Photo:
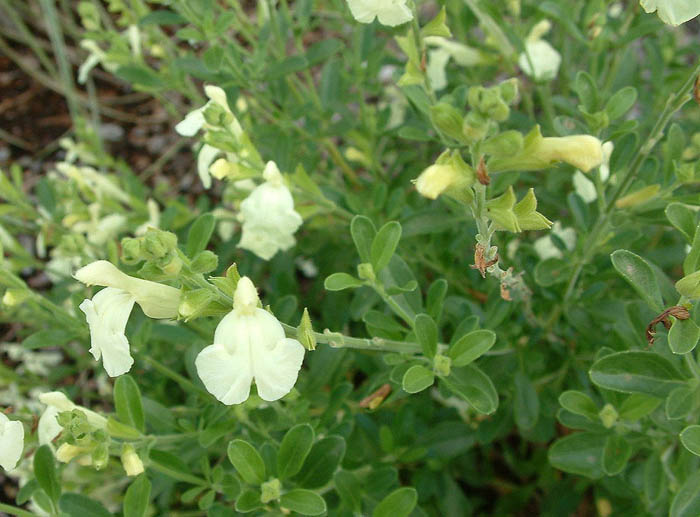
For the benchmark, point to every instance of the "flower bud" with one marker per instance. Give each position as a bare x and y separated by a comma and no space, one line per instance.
608,416
475,127
66,452
133,466
442,365
131,250
448,120
100,455
170,265
582,151
305,332
15,296
365,271
270,491
158,243
509,90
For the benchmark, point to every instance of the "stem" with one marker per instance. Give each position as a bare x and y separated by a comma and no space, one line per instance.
674,103
13,510
182,381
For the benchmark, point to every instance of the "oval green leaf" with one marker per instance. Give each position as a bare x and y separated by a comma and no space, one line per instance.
294,449
474,386
304,502
399,503
636,372
247,461
417,378
471,346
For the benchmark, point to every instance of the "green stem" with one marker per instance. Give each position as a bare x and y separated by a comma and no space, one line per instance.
13,510
674,103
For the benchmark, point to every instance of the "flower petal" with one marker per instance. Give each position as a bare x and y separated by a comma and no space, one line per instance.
49,427
276,370
226,375
394,13
11,442
363,10
205,158
107,314
192,123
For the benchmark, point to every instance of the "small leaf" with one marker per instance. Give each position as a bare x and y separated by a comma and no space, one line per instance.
683,336
637,406
127,402
363,233
248,501
427,334
526,403
690,438
247,461
199,234
304,502
384,245
639,274
621,102
137,496
417,378
340,281
474,386
322,462
45,472
294,449
636,372
679,403
615,454
683,218
579,453
471,346
349,489
579,403
76,505
687,500
399,503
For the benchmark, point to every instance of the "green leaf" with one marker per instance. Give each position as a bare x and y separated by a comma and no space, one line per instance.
579,453
139,75
474,386
587,91
172,466
47,338
294,449
552,271
679,403
621,102
399,503
384,245
304,502
127,402
636,372
76,505
687,500
638,406
526,403
683,218
417,378
427,334
471,346
247,461
322,462
137,496
579,403
349,489
161,17
199,234
435,298
690,438
616,453
363,233
437,26
248,501
683,336
340,281
45,472
640,276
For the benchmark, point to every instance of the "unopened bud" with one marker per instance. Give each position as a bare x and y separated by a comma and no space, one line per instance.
639,197
131,250
442,365
204,262
448,120
365,271
608,416
133,466
100,456
66,452
158,243
270,491
15,296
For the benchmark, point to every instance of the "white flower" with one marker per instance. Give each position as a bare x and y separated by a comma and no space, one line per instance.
58,401
673,12
108,311
11,442
604,170
268,217
49,428
545,247
107,314
584,187
389,12
540,60
157,301
445,50
194,120
249,344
